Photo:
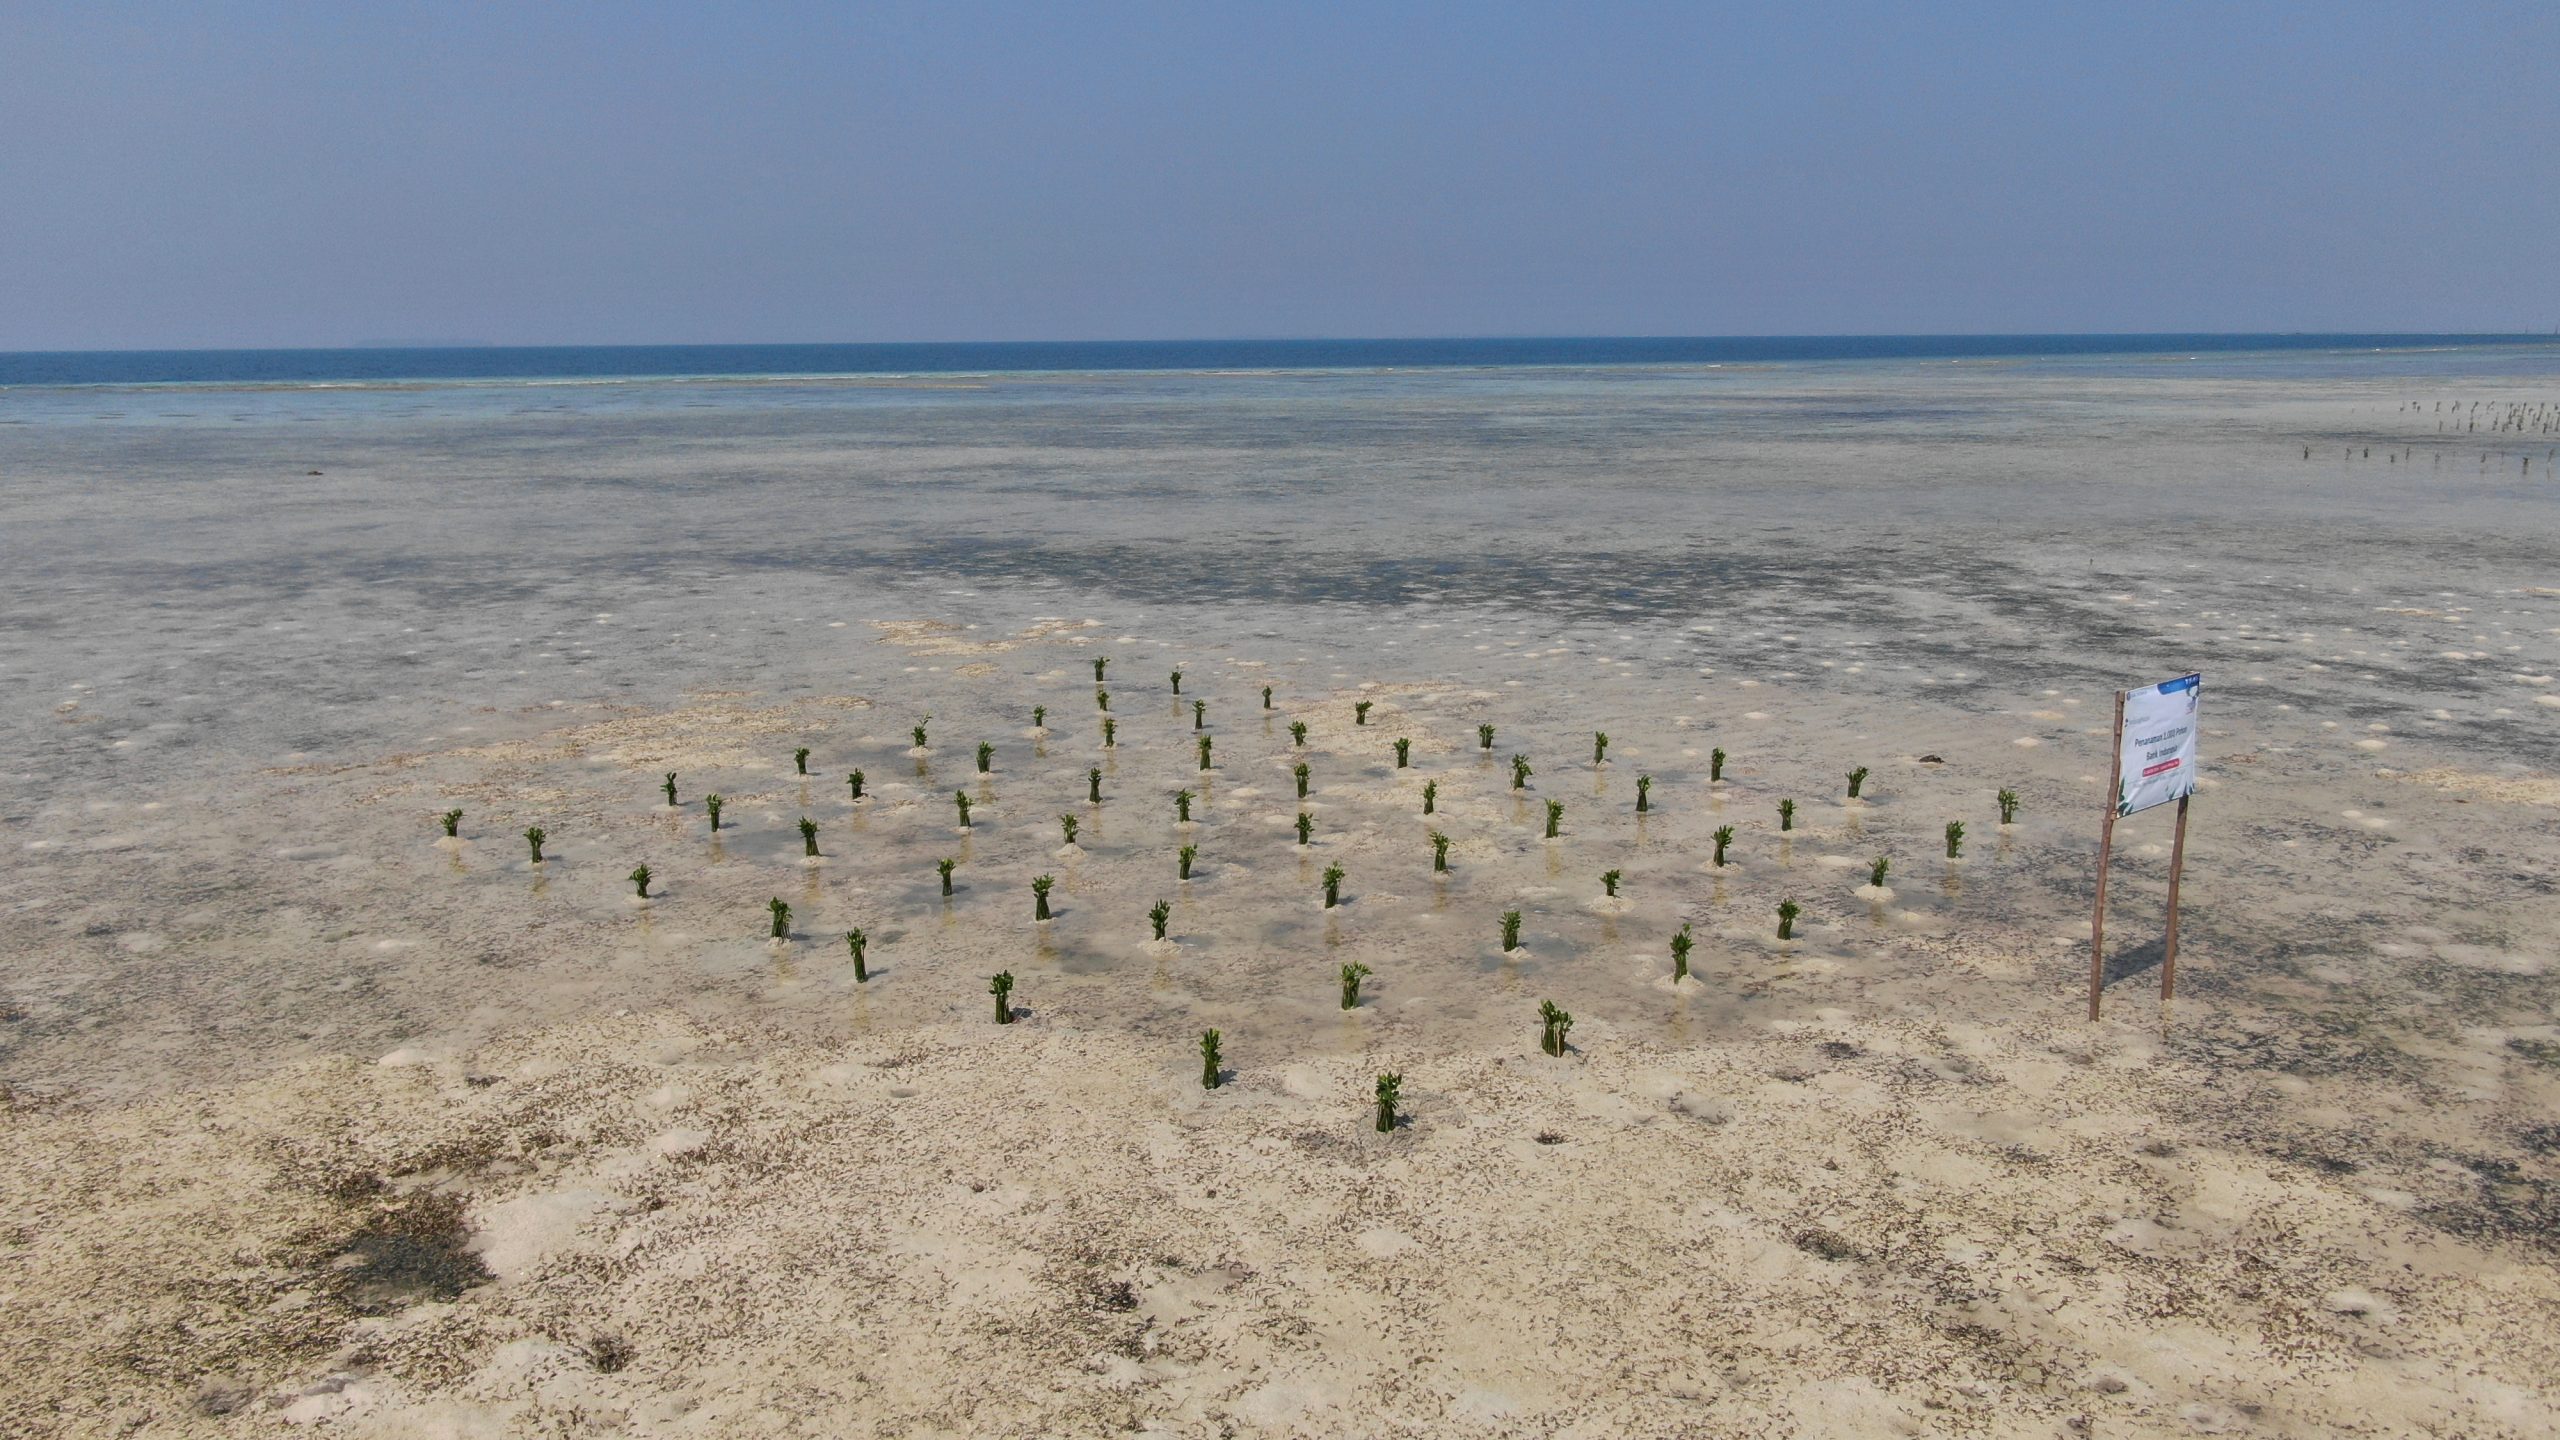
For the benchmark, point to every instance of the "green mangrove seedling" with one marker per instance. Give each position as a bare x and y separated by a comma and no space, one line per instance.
781,909
1162,912
1040,895
1209,1076
1403,749
1555,817
1876,872
1644,793
1266,697
1723,838
1110,733
1204,751
1352,974
854,941
1360,712
1609,882
1439,853
670,787
1955,838
1298,732
1510,931
800,759
1199,714
1786,815
1390,1089
1102,701
711,803
961,799
1039,717
1067,823
1306,827
986,757
1430,796
1554,1023
640,878
855,780
1715,764
1186,855
1680,944
1182,806
1300,771
1857,778
946,865
917,730
2008,807
1333,885
1484,737
1599,746
1093,785
808,836
1177,682
1788,910
533,837
1099,661
1001,987
452,824
1520,772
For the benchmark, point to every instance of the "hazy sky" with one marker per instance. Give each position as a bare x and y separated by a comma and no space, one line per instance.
292,174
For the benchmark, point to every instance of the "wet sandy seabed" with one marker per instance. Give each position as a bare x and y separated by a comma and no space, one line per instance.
316,1119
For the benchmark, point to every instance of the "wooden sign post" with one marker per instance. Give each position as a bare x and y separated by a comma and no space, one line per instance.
2164,770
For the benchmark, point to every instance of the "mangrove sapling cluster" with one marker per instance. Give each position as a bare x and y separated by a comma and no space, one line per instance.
1430,796
1715,764
1102,701
1877,872
1162,912
1599,746
1644,793
917,730
855,780
452,824
1182,806
1723,838
986,757
1955,839
1185,856
946,865
1404,750
808,837
1298,733
1209,1077
1067,823
1177,682
1266,697
1390,1089
1553,1023
1439,853
1520,772
1110,733
1099,663
1786,815
1093,785
1484,738
1199,714
711,806
1857,778
1510,931
961,799
1352,974
1300,771
1609,882
1306,827
670,788
1555,817
781,909
1680,944
800,759
640,878
854,941
1360,712
1040,895
1788,910
1039,717
2008,807
1333,885
1001,987
533,836
1205,742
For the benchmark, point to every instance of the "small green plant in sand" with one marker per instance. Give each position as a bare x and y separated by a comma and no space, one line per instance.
1715,764
986,757
1484,737
1185,856
917,730
1099,662
1001,987
1177,682
946,865
1333,885
452,824
1352,974
1644,793
1680,944
1306,828
781,909
711,804
854,941
1266,697
1786,815
640,878
1067,823
1430,796
1162,912
1209,1057
1110,733
2008,807
1555,817
1877,872
1404,753
808,836
961,799
800,759
533,836
1093,785
1788,910
1199,714
1857,779
1609,882
1205,743
1182,806
1360,712
1723,838
1039,717
1300,771
1510,931
670,787
1553,1023
1102,701
855,780
1439,853
1298,733
1390,1090
1599,746
1955,839
1040,895
1520,772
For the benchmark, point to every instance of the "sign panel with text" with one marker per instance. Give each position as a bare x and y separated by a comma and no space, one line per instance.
2157,763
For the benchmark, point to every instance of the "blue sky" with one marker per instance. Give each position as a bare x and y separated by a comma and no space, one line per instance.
285,174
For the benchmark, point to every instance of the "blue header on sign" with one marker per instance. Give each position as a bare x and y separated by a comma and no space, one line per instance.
2172,687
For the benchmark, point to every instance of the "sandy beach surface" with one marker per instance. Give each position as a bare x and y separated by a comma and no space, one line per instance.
318,1122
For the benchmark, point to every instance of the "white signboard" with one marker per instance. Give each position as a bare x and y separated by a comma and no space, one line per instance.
2157,761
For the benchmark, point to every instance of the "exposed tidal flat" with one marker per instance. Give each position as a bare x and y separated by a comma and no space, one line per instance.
316,1118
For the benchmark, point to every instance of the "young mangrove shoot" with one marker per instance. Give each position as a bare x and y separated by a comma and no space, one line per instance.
640,878
1510,931
1955,838
533,837
1266,697
917,730
1306,827
961,799
1520,772
1298,732
1599,746
1360,712
452,824
986,757
808,836
781,909
1157,916
1788,910
1680,944
1876,872
1186,855
855,780
1093,785
1609,882
1555,817
1039,717
1352,974
670,787
1430,796
1177,682
1484,737
1067,823
711,803
1099,661
854,941
1554,1023
1102,701
1786,815
1723,838
800,759
1199,714
1644,793
1333,885
1390,1089
1110,733
1209,1076
1001,987
1040,895
2008,807
1857,778
1204,751
1182,806
1403,749
1300,771
1439,853
946,865
1715,764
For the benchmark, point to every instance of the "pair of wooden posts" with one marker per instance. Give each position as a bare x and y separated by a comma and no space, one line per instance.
2116,806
